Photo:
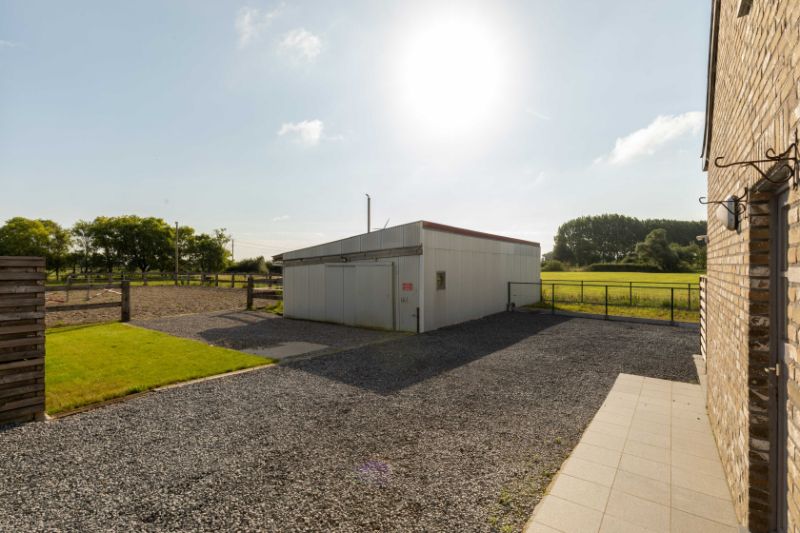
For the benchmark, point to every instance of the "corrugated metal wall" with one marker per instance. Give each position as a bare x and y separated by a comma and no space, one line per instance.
477,270
312,292
348,293
477,273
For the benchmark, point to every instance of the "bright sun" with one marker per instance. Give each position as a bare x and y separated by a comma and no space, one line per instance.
452,77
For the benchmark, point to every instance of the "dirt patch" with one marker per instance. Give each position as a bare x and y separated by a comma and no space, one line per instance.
146,302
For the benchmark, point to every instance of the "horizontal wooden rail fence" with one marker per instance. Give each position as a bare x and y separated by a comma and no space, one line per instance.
212,279
124,302
267,294
21,339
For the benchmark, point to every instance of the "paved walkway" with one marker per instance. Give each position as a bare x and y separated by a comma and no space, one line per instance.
647,462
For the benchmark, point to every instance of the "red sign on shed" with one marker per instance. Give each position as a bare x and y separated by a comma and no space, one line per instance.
408,287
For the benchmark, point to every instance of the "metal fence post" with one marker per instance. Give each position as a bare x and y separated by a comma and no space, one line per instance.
689,296
672,305
553,298
581,291
126,300
606,286
250,286
630,293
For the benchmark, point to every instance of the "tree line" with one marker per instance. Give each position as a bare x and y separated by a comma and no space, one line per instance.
670,245
106,244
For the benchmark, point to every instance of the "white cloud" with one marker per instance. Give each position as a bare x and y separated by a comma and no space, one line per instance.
648,140
301,44
251,22
8,44
308,132
280,218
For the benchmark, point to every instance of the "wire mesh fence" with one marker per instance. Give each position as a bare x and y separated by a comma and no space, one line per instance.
675,302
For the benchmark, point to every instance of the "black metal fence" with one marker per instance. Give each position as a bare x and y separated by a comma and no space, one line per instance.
675,302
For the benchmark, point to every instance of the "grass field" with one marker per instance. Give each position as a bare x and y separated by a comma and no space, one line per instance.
89,364
639,294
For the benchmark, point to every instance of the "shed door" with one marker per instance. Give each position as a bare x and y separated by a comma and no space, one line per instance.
360,294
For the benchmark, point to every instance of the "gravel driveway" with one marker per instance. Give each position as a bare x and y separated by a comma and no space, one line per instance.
267,334
454,430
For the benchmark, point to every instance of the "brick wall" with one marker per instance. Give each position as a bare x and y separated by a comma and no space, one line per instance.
755,107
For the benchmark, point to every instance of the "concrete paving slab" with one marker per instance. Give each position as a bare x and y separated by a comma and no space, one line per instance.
658,470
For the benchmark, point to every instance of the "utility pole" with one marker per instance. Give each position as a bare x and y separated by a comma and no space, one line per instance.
176,253
369,213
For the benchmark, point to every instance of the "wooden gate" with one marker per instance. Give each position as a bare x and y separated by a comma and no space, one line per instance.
21,339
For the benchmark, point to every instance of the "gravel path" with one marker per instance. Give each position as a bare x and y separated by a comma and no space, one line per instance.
454,430
243,330
147,302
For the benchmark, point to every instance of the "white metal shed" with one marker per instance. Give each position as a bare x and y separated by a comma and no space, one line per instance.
414,277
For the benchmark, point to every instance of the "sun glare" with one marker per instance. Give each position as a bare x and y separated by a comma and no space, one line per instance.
452,77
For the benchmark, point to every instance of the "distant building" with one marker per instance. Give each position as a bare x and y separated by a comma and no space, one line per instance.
752,315
415,277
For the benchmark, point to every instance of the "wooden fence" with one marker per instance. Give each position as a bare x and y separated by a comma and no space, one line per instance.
252,293
218,279
124,302
21,339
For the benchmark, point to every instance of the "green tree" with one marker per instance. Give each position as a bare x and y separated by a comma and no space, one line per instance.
656,250
255,265
23,236
611,237
59,242
209,253
82,238
104,235
144,243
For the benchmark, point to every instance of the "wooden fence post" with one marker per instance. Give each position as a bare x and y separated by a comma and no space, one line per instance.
126,301
233,278
250,286
216,279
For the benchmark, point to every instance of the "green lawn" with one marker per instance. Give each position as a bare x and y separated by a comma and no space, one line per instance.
639,294
89,364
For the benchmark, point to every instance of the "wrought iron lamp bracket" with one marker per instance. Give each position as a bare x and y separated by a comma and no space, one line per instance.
736,206
790,156
739,204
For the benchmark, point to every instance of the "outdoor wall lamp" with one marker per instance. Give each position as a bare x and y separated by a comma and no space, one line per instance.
729,211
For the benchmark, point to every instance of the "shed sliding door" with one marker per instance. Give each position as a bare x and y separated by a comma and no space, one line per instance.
360,294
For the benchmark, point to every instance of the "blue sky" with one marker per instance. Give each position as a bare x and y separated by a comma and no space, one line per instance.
272,119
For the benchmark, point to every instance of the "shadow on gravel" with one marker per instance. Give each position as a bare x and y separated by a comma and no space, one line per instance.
392,366
253,329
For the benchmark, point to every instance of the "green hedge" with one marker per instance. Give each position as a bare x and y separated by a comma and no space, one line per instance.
553,265
621,267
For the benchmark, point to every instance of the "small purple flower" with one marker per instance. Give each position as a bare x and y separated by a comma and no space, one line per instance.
375,472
